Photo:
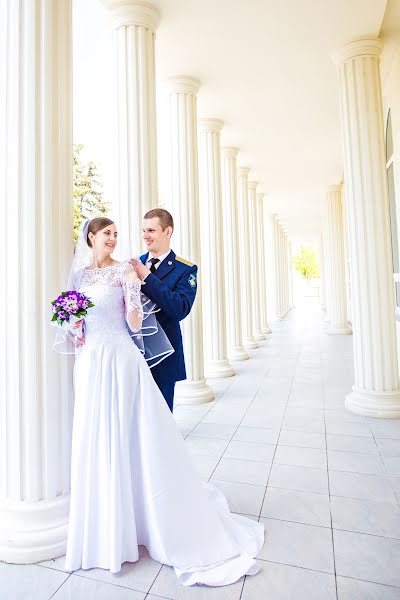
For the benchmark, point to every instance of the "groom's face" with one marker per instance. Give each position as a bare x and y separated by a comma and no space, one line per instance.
156,238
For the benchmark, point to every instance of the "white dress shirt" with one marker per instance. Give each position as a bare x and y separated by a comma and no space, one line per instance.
160,258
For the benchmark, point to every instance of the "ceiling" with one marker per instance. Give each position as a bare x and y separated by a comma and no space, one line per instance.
266,71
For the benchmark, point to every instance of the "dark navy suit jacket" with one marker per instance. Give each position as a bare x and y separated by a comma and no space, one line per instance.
173,288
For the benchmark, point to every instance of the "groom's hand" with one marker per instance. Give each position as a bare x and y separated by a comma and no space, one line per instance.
141,269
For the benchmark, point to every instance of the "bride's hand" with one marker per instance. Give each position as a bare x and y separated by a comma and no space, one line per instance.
77,324
79,341
141,269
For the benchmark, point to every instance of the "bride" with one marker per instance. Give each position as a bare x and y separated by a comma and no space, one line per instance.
132,480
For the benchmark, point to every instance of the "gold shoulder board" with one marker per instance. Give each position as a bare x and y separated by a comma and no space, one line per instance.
182,260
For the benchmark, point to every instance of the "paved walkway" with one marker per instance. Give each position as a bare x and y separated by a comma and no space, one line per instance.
283,449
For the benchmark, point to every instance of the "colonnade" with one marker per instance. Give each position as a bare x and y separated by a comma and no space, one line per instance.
245,277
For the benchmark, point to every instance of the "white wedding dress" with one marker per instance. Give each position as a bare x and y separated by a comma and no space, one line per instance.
132,480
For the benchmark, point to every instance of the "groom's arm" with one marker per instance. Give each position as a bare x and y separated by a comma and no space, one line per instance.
175,303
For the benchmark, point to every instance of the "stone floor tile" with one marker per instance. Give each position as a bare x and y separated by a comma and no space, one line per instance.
206,446
366,516
256,434
242,471
367,557
388,447
298,545
302,457
354,589
364,486
301,507
345,428
28,582
302,439
250,451
351,443
82,588
214,430
283,582
356,462
242,498
299,478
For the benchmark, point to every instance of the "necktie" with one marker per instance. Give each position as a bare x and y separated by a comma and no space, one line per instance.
153,261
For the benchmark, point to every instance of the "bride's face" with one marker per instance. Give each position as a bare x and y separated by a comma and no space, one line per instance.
105,240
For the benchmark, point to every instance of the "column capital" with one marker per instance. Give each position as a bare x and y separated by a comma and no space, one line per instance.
183,84
133,12
214,125
229,152
243,171
363,46
260,196
252,185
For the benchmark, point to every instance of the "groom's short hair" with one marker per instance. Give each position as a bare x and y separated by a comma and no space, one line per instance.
165,217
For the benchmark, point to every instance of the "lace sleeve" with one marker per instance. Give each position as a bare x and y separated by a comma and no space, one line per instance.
133,304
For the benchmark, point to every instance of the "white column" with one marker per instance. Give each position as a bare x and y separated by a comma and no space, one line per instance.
290,268
212,250
254,270
185,208
334,252
274,266
232,254
134,25
376,389
36,250
245,260
285,271
322,293
279,276
262,245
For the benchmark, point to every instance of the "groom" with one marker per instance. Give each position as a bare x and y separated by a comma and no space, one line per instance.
170,282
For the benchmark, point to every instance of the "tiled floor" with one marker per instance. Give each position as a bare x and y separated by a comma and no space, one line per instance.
280,445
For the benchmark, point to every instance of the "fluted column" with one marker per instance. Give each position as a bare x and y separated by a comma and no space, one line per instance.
185,207
290,269
212,250
254,271
285,271
334,251
246,259
322,293
232,254
134,25
36,250
376,389
262,245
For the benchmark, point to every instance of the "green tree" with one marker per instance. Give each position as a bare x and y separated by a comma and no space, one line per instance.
306,262
88,191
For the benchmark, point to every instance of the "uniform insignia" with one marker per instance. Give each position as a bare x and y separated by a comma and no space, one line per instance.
192,280
182,260
170,262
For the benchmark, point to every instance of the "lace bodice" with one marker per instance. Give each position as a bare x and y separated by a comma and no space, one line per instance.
115,300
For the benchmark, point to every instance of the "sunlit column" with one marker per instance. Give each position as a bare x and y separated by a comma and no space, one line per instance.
254,271
232,255
212,250
322,292
262,249
185,205
376,389
335,267
246,259
290,268
135,24
36,250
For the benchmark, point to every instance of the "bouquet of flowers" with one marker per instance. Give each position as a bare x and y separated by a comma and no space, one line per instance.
69,308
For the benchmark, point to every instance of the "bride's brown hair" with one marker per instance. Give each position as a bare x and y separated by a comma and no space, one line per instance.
95,225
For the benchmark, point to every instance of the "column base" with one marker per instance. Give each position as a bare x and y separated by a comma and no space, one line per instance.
382,405
33,531
238,353
344,329
250,343
260,337
266,330
218,368
193,392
